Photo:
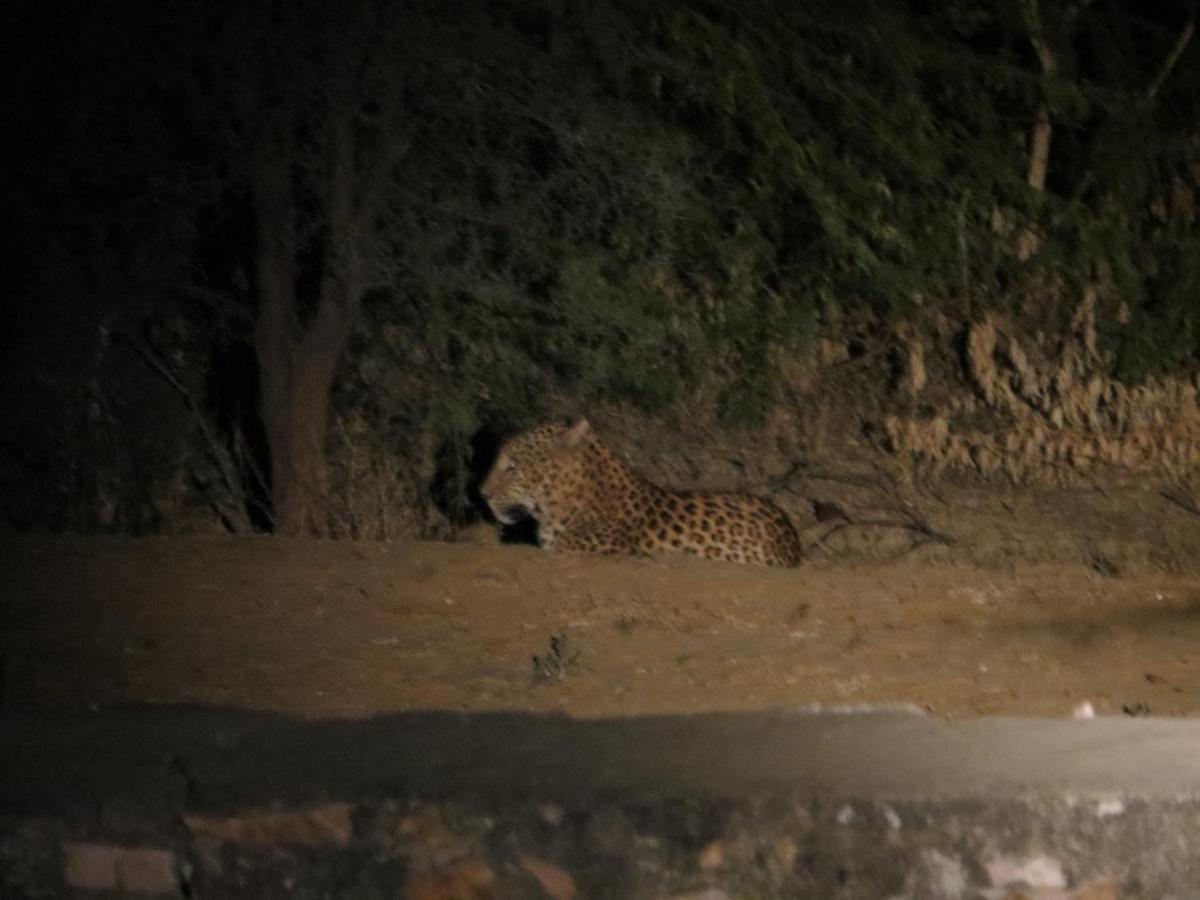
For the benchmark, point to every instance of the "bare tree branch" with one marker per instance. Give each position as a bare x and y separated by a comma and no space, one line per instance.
237,495
217,300
1037,36
1039,150
1185,37
1075,9
918,526
897,512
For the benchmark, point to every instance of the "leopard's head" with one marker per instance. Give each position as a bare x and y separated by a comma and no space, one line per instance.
534,471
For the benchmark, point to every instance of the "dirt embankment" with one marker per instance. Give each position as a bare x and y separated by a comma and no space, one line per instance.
354,629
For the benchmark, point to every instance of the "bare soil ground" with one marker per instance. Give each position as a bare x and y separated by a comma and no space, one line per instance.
1043,603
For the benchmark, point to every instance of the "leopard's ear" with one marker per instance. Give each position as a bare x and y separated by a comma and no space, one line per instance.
577,432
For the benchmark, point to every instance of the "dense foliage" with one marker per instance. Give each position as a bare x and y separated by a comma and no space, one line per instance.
595,202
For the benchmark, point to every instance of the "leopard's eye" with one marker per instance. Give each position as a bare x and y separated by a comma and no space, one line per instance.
508,465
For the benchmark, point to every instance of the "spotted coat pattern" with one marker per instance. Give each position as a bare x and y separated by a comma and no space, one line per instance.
585,498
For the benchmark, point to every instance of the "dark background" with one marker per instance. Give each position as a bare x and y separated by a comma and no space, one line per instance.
298,266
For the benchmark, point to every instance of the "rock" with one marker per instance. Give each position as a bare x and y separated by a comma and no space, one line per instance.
783,856
551,814
1097,890
428,842
712,856
555,881
1035,871
938,875
725,852
894,822
470,879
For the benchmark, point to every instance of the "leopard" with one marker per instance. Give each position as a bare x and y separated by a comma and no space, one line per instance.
585,498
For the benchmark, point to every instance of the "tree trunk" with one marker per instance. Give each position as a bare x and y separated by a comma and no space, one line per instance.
297,358
1039,150
1035,176
296,374
1039,146
296,433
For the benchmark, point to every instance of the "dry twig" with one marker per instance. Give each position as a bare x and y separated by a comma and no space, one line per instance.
235,513
1181,496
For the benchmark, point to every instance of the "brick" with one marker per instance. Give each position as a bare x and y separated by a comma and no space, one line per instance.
322,826
147,870
90,867
106,867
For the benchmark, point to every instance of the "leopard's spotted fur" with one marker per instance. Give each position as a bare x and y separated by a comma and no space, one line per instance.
585,498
